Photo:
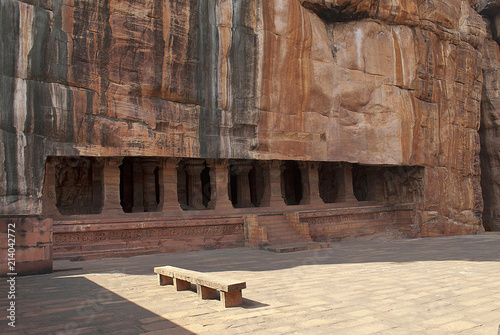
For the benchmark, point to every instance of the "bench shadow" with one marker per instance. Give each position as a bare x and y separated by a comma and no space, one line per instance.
246,303
252,304
75,305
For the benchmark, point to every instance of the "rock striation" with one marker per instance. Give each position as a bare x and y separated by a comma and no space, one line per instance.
373,82
490,117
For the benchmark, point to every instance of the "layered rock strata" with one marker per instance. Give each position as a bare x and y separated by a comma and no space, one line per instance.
373,82
490,118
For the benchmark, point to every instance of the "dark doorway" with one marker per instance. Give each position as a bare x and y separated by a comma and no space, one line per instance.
233,188
255,195
291,181
140,189
157,185
246,184
205,185
327,182
127,185
360,182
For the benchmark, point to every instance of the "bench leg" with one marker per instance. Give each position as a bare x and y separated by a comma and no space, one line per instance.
206,292
231,299
165,280
181,285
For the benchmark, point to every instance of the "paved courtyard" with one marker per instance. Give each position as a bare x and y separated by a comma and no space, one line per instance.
424,286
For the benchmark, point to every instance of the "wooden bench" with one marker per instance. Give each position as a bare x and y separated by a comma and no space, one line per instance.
207,285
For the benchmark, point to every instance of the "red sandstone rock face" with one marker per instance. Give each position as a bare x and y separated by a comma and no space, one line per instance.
368,81
490,110
378,83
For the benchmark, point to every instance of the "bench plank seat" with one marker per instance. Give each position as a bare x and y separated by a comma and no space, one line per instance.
206,284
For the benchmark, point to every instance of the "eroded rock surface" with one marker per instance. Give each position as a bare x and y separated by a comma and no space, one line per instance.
490,124
364,81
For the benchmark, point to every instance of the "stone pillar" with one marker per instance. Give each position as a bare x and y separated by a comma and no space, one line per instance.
170,198
276,201
222,202
344,183
314,196
194,187
244,198
138,187
127,185
306,187
149,184
49,190
111,187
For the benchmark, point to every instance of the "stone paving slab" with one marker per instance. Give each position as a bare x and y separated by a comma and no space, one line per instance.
423,286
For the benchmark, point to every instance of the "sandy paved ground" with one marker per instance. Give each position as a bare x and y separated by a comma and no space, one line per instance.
424,286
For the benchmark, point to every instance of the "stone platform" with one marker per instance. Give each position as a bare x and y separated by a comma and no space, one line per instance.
140,234
421,286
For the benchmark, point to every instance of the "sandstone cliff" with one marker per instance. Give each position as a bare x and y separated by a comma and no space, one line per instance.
490,118
365,81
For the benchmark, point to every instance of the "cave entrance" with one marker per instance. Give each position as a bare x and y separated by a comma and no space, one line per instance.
246,184
360,184
327,182
194,188
291,183
140,185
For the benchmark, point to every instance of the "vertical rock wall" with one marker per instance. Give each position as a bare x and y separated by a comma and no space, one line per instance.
379,82
364,81
139,78
490,119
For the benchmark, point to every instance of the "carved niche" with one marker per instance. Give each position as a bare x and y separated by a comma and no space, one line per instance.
78,185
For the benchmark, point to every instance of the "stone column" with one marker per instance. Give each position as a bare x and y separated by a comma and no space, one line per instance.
49,190
170,199
306,183
314,196
242,184
111,187
276,200
194,187
138,187
344,183
222,202
149,184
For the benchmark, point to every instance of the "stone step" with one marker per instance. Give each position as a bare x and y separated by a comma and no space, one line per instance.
286,242
281,231
290,236
298,247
